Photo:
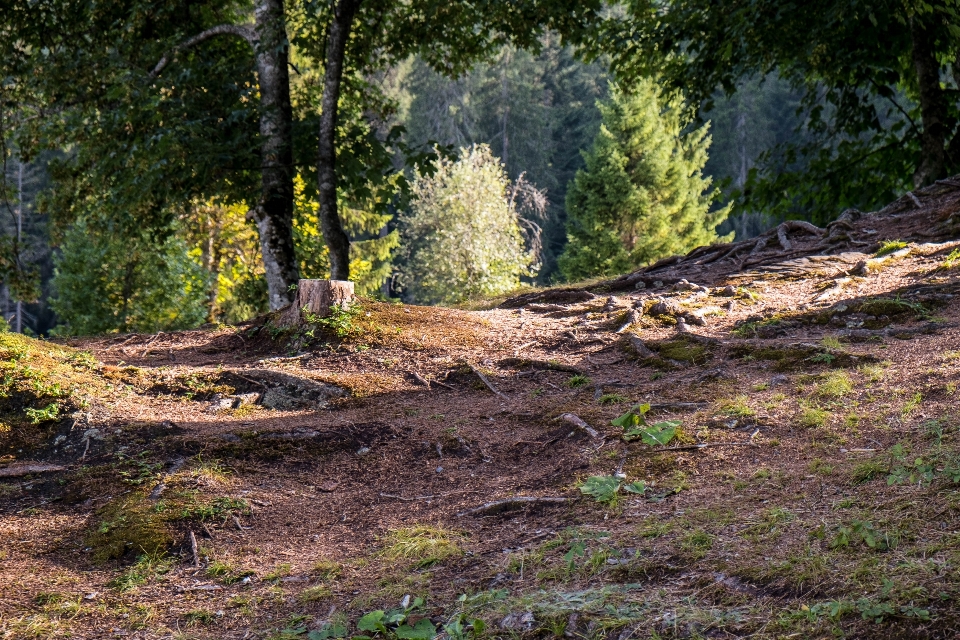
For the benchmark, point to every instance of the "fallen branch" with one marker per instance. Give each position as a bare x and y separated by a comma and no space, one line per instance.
499,506
577,422
420,379
703,445
485,381
193,549
914,199
387,495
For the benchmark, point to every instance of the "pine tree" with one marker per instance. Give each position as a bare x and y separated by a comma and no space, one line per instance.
642,194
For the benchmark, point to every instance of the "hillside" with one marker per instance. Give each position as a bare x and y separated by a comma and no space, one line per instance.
796,474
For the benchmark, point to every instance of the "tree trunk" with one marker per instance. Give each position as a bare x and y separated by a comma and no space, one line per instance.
330,225
933,107
274,213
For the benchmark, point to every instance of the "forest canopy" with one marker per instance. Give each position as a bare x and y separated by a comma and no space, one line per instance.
248,144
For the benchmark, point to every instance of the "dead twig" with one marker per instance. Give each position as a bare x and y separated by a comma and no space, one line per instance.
577,422
485,381
193,549
703,445
420,379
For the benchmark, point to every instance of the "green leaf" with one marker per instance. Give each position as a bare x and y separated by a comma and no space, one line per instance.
422,630
371,622
635,487
602,488
633,417
660,433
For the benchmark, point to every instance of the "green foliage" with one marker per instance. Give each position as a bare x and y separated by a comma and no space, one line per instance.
50,412
371,254
340,322
863,531
462,237
536,110
578,380
889,246
602,488
857,141
642,195
396,623
634,425
106,284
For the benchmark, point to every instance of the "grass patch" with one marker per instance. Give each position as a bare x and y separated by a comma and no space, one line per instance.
578,381
682,350
834,384
813,418
737,407
314,594
146,568
426,544
889,246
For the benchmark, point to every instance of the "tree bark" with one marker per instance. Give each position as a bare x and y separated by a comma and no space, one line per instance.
318,297
333,233
274,213
933,107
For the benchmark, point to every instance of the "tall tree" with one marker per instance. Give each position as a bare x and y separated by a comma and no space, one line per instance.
364,35
642,195
873,73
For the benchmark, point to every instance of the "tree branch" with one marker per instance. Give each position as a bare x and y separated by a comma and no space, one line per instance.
247,33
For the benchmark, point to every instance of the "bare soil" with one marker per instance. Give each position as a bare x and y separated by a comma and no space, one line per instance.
824,501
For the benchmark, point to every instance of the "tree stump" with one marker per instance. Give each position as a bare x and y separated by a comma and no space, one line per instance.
318,297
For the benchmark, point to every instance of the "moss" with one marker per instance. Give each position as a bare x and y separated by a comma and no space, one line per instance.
891,307
40,382
125,527
682,350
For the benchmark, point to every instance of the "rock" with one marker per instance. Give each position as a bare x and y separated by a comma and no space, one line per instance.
633,317
664,308
728,291
245,399
220,403
287,392
640,285
518,621
544,308
642,349
695,319
779,379
859,269
682,326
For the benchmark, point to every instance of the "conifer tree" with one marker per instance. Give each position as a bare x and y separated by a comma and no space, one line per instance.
642,194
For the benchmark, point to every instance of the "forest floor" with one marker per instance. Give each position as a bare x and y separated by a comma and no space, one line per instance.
254,482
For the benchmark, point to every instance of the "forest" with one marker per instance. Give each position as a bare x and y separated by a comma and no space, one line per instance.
160,173
479,319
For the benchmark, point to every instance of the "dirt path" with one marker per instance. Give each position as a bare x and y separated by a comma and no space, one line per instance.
323,478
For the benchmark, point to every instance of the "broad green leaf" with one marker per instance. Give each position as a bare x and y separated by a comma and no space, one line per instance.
422,630
632,418
371,622
635,487
602,488
660,433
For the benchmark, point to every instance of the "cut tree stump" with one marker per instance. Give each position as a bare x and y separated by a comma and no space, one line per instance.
318,297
